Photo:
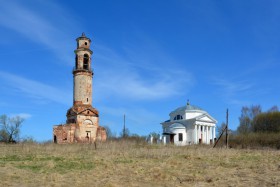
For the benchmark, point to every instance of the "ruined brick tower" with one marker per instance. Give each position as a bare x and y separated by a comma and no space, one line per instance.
82,123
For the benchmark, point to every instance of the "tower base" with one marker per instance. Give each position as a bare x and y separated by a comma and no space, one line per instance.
71,133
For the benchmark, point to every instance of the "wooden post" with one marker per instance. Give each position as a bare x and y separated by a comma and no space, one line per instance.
227,131
219,137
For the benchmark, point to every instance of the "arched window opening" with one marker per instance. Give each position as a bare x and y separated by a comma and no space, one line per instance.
178,117
76,60
85,43
54,139
86,60
180,137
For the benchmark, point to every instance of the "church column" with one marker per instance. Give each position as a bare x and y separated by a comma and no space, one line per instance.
208,131
203,134
207,134
213,131
211,134
199,133
195,134
164,139
214,134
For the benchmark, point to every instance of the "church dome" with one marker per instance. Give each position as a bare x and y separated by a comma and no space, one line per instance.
187,107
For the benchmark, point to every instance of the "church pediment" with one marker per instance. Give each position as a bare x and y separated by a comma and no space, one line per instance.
206,118
90,112
82,110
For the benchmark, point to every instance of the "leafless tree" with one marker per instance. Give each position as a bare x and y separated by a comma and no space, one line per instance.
247,116
273,109
10,128
220,128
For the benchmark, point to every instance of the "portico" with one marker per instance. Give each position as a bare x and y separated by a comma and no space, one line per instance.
189,125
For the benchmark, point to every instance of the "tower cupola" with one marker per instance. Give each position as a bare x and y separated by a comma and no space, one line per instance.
83,54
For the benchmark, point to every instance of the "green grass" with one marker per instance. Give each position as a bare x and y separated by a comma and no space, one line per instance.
44,163
136,164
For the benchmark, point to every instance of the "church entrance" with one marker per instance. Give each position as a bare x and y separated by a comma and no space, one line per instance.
172,138
88,137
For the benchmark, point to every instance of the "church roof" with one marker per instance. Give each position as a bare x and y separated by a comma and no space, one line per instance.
187,107
83,37
177,126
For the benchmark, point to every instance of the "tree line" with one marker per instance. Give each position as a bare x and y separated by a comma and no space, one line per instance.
253,120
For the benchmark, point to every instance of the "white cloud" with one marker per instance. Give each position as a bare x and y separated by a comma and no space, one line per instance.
22,115
35,89
39,26
235,92
131,76
234,87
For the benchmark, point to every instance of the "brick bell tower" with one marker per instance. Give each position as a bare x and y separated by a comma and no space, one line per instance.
82,113
82,124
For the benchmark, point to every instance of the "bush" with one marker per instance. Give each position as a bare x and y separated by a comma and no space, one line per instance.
255,140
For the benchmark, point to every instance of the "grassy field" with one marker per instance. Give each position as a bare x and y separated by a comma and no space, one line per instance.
136,164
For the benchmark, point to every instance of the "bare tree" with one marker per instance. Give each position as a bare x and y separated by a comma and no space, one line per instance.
10,128
273,109
247,117
220,128
125,133
108,131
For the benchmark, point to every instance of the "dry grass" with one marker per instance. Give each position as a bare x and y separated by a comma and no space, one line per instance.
136,164
256,140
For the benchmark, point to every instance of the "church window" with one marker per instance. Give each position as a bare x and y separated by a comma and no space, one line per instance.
87,112
178,117
86,60
85,43
76,59
180,137
54,139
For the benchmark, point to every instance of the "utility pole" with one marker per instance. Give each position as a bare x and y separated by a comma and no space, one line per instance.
227,131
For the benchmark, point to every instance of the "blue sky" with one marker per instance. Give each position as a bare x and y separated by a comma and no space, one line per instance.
150,57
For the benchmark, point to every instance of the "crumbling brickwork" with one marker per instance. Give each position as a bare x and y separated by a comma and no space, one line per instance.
64,133
82,124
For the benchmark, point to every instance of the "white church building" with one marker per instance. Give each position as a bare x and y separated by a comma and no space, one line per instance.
189,125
